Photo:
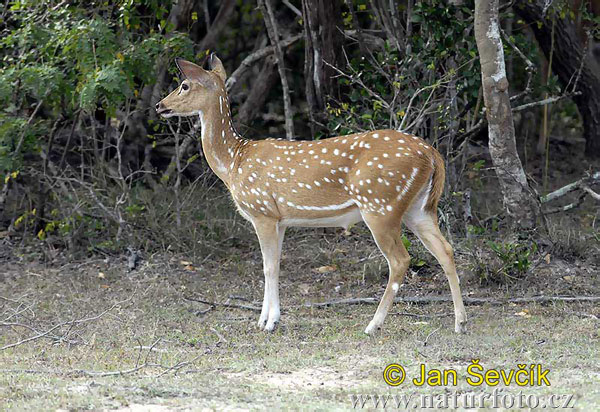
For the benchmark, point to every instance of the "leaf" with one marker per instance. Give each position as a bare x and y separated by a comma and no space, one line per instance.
327,269
524,313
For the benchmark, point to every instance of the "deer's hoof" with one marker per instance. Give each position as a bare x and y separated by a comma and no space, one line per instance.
373,328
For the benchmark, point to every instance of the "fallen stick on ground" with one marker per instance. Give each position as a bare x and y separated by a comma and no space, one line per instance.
48,333
467,300
225,305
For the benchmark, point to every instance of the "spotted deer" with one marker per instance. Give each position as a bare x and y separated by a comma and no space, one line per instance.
382,177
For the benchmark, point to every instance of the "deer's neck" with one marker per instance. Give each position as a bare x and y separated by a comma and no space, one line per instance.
220,141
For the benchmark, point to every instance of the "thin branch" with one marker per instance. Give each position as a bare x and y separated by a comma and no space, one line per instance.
579,184
273,31
544,102
568,207
59,325
530,69
482,123
292,8
591,193
24,131
254,57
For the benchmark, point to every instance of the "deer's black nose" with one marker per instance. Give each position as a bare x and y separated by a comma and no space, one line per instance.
158,106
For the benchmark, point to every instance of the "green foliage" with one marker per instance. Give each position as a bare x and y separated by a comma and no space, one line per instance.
381,88
515,257
72,58
416,260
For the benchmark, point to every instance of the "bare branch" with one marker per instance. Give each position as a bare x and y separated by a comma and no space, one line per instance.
254,57
273,31
59,325
225,305
579,184
543,102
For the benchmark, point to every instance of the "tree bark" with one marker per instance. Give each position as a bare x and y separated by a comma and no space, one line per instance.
570,54
323,41
259,92
503,149
220,22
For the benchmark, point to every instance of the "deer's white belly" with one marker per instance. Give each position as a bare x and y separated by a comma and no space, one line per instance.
342,220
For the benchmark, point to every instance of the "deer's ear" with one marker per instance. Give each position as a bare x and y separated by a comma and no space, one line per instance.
190,70
216,66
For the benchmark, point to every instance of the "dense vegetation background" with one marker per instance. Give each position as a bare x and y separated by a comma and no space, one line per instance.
86,166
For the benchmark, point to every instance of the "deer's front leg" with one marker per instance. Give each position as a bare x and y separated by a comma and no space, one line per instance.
270,235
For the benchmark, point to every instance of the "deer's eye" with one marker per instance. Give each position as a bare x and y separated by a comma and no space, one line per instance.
184,86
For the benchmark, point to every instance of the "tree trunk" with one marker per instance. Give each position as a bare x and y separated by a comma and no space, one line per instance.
323,41
258,94
220,22
569,50
503,149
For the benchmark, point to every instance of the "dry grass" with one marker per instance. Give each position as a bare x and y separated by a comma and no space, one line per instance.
193,356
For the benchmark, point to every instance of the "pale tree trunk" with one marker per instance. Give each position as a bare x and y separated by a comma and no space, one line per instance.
502,145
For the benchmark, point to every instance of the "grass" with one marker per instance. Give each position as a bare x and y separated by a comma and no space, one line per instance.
193,356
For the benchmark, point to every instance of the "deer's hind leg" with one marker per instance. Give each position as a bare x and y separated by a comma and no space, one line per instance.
425,226
386,230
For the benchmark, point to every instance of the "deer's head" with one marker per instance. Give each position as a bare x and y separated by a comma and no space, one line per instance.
197,92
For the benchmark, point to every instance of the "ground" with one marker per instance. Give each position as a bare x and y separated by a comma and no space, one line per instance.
140,340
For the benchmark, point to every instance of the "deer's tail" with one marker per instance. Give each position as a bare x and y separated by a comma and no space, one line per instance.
438,178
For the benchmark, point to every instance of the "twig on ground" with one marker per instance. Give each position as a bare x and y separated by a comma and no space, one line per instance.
83,372
177,367
225,305
421,315
466,300
221,338
430,335
71,323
